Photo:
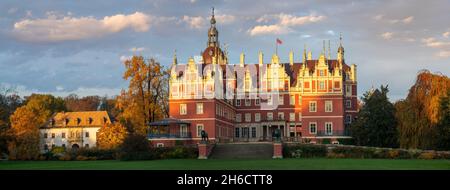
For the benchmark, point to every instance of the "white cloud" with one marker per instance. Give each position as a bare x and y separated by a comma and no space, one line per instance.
330,32
446,34
378,17
137,49
443,54
56,28
59,88
225,19
432,42
306,36
124,58
283,24
406,20
269,29
194,22
387,35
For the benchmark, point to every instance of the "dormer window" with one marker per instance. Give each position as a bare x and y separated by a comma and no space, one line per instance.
78,121
67,121
52,122
90,120
105,120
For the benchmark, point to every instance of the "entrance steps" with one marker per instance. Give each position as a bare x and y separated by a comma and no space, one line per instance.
249,150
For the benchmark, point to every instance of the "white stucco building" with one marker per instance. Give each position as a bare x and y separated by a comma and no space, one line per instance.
72,129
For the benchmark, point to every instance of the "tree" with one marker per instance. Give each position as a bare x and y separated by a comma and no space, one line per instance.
418,115
443,127
146,98
9,101
111,136
88,103
376,124
25,123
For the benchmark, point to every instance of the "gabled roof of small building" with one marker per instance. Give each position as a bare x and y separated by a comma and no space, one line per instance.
79,119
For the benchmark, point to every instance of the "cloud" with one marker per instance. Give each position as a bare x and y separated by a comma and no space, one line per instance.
446,34
378,17
137,49
406,20
306,36
284,23
432,42
443,54
387,35
56,28
225,19
269,29
124,58
197,22
330,32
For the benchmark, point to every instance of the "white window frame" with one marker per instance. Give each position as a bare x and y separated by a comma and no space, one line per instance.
257,101
248,117
183,109
248,102
348,104
280,116
238,117
238,102
310,127
321,85
199,108
348,119
330,103
292,116
315,106
328,124
257,117
184,130
269,116
281,99
199,128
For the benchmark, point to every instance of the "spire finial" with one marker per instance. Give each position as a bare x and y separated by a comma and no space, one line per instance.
329,55
324,48
213,20
340,38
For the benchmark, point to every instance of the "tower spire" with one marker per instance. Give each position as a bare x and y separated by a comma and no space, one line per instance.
213,34
175,61
340,54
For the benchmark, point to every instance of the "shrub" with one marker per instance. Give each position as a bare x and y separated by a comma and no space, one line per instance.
393,154
427,155
304,151
65,157
81,158
58,150
349,141
326,141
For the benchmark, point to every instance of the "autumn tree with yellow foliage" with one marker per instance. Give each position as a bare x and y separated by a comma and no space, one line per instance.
419,114
145,100
25,123
111,136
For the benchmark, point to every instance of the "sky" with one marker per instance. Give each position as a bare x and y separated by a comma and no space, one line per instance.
62,47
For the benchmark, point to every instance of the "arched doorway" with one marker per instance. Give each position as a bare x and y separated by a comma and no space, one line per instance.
75,146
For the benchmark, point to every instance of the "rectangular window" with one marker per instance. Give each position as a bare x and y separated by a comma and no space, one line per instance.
291,116
328,128
348,119
248,117
312,128
86,146
306,84
348,90
53,135
238,117
312,106
257,117
183,109
253,132
236,132
300,116
238,102
87,134
348,103
328,106
257,101
281,100
321,73
45,135
270,116
269,100
247,102
281,116
63,135
322,85
200,128
245,132
184,130
337,84
292,99
199,108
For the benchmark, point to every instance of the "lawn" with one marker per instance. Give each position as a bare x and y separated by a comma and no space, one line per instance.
268,164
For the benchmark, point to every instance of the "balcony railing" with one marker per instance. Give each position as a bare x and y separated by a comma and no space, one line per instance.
166,135
333,133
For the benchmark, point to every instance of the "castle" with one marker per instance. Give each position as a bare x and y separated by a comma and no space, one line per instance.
313,100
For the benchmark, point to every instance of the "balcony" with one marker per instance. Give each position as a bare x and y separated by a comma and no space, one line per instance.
333,133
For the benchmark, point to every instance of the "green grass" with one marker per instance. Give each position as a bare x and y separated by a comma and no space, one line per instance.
193,164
